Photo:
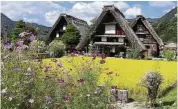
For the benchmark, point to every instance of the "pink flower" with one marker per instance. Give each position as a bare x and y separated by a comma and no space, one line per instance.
113,87
68,99
8,46
19,43
47,68
59,64
73,53
103,56
80,81
60,81
31,38
16,68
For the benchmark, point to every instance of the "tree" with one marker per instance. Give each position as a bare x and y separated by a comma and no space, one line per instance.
71,36
20,27
93,20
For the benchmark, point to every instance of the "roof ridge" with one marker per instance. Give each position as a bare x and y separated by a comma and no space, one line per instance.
67,15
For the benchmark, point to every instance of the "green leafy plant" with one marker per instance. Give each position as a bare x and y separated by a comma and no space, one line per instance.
56,48
134,54
169,54
71,36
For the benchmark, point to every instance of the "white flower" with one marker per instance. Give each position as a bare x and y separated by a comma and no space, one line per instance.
10,98
29,70
3,91
31,100
88,95
160,102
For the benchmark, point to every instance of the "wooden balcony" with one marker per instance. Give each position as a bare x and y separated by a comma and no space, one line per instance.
142,32
108,43
110,35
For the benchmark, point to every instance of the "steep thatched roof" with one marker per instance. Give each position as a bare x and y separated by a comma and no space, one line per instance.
149,27
80,24
120,19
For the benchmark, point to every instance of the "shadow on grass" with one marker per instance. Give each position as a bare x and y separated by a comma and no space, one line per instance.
130,100
166,103
167,90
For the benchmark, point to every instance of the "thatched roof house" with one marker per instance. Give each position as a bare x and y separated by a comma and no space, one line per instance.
148,27
147,35
119,19
112,34
59,27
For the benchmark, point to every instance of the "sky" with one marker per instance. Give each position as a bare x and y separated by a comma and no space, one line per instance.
47,12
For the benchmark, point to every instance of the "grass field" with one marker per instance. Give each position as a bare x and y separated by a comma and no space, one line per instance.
127,72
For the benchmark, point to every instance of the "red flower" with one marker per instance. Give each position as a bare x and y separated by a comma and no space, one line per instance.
103,56
68,99
80,81
113,87
109,73
60,81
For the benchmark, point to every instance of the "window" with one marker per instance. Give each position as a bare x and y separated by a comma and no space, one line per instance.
103,39
64,27
121,39
110,29
112,49
57,35
141,39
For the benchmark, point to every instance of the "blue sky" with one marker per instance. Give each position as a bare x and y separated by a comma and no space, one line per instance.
47,12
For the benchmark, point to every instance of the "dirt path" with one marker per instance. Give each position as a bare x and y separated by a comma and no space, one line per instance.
132,105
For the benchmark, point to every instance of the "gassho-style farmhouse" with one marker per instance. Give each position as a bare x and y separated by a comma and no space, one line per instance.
112,34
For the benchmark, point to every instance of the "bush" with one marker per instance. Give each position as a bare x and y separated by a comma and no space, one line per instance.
39,45
152,82
56,49
169,54
134,54
148,58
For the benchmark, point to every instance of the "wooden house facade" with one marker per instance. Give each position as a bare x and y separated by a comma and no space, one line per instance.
147,36
60,25
113,35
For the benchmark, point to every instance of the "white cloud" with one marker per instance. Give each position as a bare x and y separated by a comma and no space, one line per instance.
169,9
83,10
47,12
31,20
51,16
16,10
87,11
161,3
132,12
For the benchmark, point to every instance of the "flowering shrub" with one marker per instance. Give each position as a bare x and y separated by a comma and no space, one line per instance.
27,84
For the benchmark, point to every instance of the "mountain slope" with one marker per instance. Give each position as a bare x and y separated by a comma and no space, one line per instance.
166,26
43,30
6,21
